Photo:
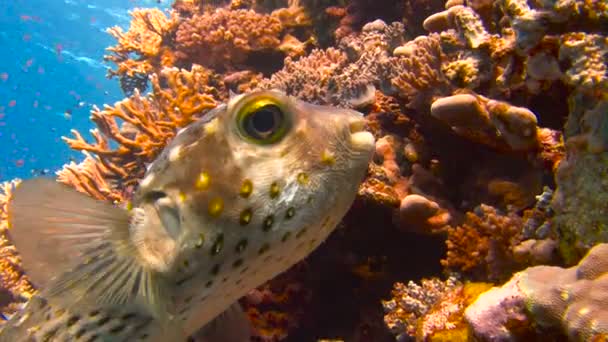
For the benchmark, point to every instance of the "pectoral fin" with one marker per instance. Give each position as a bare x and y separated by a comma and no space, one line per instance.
78,250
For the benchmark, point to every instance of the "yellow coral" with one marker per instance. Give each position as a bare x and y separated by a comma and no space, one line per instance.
445,321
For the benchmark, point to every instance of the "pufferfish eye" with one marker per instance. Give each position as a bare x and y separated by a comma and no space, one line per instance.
263,121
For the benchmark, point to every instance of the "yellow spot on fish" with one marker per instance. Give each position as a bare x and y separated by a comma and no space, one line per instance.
216,205
201,241
175,153
246,188
182,197
203,180
245,217
275,190
211,127
328,158
583,311
303,178
129,206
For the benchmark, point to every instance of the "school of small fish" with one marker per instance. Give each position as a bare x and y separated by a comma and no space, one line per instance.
233,200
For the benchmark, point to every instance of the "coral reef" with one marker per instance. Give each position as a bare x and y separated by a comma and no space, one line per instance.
482,246
479,109
227,38
142,49
412,301
432,311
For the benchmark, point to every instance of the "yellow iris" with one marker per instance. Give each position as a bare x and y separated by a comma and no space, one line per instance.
263,121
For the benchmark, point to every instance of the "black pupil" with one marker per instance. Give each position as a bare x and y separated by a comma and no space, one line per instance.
264,120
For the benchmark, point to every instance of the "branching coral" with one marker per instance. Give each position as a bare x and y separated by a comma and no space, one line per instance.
15,285
308,77
178,98
482,244
418,77
88,177
348,76
142,49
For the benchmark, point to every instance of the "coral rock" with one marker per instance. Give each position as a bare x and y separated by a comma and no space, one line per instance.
571,299
491,122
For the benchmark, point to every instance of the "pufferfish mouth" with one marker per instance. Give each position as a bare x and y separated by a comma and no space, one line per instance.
360,138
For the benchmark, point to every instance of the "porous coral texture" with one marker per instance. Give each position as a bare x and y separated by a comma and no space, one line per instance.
412,301
569,299
225,39
482,245
143,49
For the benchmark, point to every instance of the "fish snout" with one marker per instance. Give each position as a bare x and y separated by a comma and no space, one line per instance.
360,137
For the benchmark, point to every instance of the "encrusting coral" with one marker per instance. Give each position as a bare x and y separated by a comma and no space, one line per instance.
572,300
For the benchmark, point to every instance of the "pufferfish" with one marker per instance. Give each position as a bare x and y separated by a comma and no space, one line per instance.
233,200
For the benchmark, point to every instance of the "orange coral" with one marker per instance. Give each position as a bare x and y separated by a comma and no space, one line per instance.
12,278
149,29
224,37
419,64
148,123
88,177
482,245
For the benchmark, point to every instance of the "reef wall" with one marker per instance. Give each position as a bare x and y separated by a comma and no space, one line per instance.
490,120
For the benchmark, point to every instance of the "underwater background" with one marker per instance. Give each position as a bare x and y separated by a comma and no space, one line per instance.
482,216
52,73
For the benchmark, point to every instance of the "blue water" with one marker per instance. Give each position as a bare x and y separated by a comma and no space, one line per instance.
51,73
